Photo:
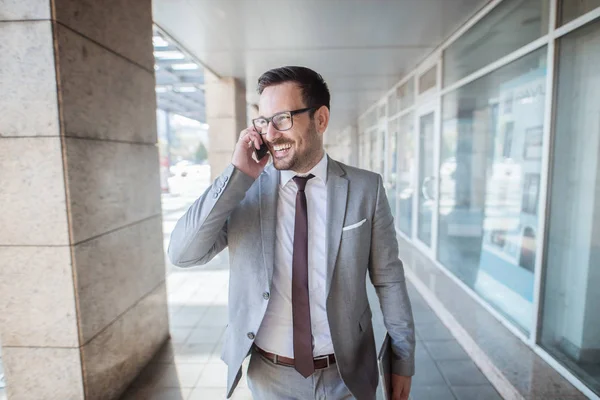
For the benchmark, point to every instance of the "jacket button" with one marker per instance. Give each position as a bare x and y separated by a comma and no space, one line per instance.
250,335
266,295
216,195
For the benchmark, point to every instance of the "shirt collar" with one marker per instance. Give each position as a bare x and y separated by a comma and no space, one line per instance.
319,171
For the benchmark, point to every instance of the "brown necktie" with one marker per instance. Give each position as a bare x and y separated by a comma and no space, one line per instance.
303,352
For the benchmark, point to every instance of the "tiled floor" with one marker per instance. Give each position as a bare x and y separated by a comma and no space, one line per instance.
189,367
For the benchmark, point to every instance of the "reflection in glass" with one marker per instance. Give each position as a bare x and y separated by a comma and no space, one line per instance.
508,27
406,94
426,178
381,152
489,184
570,328
362,150
406,168
392,104
571,9
402,98
428,80
392,172
373,147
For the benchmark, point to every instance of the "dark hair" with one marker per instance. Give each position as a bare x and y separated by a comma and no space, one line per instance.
315,92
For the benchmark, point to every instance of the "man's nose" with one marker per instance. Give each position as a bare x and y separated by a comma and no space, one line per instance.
272,133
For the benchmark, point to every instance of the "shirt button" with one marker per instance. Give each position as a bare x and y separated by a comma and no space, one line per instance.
250,335
266,295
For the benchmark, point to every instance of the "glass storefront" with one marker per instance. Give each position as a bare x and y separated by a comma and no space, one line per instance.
391,175
425,206
490,167
571,9
503,201
570,328
406,95
510,26
406,168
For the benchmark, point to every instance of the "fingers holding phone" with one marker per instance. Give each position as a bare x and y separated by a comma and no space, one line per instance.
250,155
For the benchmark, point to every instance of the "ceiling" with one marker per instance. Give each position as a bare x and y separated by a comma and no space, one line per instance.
179,79
361,47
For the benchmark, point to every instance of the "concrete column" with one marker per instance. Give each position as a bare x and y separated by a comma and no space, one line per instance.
82,282
226,117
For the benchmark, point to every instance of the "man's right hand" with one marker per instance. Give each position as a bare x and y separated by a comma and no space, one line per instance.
249,141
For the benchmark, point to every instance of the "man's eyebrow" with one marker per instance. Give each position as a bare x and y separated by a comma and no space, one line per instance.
262,116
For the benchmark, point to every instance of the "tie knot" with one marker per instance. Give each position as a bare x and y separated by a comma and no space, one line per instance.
301,181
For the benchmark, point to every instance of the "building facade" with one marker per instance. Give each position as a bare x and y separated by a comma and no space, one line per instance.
490,149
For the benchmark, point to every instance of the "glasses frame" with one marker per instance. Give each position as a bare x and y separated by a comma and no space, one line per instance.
270,120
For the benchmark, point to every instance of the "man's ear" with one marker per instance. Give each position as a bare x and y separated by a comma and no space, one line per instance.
322,119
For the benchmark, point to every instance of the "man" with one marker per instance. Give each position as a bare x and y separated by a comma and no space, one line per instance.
302,235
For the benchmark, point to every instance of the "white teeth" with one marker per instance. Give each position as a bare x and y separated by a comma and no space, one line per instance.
282,147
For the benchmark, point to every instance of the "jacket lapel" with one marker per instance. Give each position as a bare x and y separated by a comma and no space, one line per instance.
268,194
337,196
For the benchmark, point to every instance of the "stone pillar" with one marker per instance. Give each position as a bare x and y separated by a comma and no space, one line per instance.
82,276
226,118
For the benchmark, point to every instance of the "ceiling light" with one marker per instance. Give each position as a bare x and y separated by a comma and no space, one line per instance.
183,67
187,89
169,55
158,41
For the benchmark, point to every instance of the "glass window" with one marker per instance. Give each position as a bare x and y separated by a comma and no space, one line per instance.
402,98
373,161
406,169
365,151
371,118
428,80
508,27
382,111
406,94
571,9
381,152
426,204
361,149
570,328
392,170
489,183
392,104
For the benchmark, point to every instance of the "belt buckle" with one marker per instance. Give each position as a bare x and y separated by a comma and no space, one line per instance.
323,358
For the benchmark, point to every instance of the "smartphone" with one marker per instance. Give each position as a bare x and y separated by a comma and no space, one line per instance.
263,151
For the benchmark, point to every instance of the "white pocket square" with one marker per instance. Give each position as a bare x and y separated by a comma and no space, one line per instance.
354,226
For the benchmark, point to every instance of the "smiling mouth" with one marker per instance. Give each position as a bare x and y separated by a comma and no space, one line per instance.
281,150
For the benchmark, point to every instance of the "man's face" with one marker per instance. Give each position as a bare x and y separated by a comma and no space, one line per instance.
300,147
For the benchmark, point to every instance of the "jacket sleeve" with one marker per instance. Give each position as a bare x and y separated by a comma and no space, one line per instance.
201,233
387,275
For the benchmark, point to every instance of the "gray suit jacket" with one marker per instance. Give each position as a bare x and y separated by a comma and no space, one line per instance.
240,213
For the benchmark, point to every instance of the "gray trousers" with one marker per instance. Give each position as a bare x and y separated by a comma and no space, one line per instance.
269,381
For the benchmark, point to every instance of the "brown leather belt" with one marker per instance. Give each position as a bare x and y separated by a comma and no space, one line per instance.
320,362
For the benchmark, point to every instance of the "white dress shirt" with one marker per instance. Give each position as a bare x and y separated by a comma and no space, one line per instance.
276,331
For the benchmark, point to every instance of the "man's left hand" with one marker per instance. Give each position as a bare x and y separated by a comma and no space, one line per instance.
400,387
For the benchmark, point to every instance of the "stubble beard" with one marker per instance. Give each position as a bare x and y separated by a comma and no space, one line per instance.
303,162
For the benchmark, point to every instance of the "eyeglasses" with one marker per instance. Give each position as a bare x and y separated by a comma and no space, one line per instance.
282,121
